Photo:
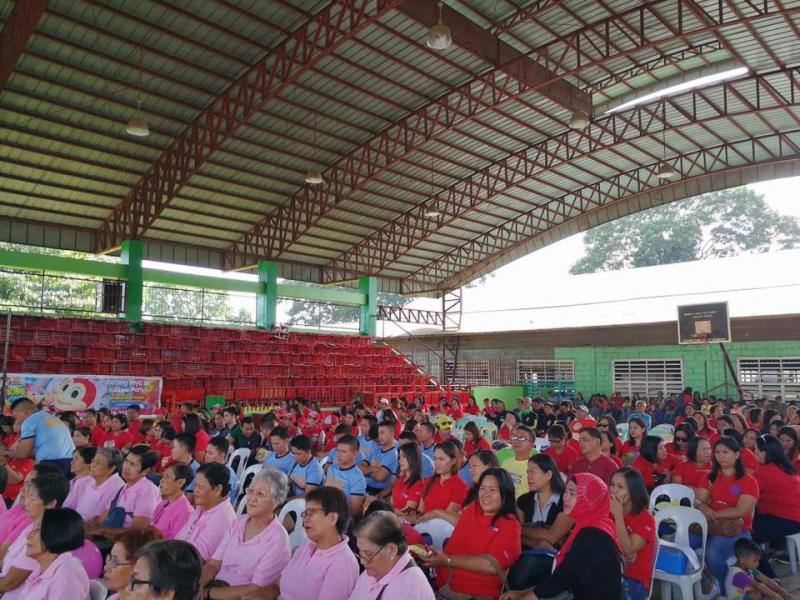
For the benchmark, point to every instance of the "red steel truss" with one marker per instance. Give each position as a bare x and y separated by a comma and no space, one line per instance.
400,314
337,22
641,26
741,157
743,96
18,28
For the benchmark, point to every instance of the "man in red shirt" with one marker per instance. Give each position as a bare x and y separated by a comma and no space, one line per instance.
98,433
592,459
133,411
582,420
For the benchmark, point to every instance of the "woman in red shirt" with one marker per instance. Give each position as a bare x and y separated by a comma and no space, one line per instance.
510,422
564,455
703,430
444,490
694,471
637,429
407,488
729,494
472,407
473,440
777,512
609,425
608,448
788,438
654,463
683,433
636,529
118,437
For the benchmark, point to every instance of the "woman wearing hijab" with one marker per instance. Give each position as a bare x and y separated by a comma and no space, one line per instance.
588,565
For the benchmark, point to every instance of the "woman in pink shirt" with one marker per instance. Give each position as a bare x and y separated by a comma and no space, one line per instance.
46,490
80,466
213,513
119,566
61,576
389,571
324,566
171,514
255,549
93,499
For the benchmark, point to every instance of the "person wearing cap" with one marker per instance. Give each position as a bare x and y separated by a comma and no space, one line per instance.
582,420
313,431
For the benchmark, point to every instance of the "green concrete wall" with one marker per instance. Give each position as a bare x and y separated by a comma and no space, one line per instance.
507,393
703,365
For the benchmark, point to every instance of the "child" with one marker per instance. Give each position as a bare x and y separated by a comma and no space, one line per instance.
745,581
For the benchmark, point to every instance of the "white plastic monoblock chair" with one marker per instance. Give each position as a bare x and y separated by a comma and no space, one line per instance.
241,506
440,531
688,584
244,455
323,461
298,534
676,492
241,481
488,431
97,591
793,547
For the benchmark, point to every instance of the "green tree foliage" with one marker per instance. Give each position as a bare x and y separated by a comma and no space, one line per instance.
717,224
191,304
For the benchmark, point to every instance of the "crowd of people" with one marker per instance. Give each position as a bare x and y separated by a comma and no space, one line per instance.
158,498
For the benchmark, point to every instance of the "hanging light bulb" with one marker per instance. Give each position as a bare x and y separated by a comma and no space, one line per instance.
439,37
137,126
666,171
314,177
579,120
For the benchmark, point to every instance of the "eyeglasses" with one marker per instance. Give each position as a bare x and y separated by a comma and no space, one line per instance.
520,438
311,511
368,559
134,582
113,562
680,440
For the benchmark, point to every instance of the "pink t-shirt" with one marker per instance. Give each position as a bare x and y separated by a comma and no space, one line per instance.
12,521
92,500
170,517
16,557
310,571
258,560
398,584
139,500
64,579
205,528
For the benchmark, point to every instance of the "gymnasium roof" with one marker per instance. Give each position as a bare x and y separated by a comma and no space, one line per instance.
438,166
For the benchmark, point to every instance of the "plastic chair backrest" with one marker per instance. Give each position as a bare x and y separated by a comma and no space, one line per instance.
97,590
242,481
243,454
684,517
439,530
541,444
323,461
676,492
298,534
241,506
488,431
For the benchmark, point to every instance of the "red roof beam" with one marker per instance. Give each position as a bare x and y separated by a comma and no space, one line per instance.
16,32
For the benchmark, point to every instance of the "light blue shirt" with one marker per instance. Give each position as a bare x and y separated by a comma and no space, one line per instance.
365,445
311,472
644,417
427,451
51,437
465,475
282,463
388,458
353,481
194,465
233,483
360,456
427,465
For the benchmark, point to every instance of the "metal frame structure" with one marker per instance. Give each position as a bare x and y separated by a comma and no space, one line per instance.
438,167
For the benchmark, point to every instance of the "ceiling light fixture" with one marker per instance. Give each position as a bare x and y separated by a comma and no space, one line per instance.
314,177
579,120
665,170
137,126
439,37
432,214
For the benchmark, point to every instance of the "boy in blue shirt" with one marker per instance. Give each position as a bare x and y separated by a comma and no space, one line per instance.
381,464
306,473
345,475
281,458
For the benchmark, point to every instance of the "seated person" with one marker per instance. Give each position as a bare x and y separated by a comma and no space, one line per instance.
245,436
281,457
588,564
522,440
119,564
171,514
345,474
444,491
408,437
695,469
183,453
380,464
544,523
213,513
487,526
564,455
408,485
654,463
476,465
592,459
324,566
306,473
60,575
390,572
744,581
255,549
169,566
215,452
94,498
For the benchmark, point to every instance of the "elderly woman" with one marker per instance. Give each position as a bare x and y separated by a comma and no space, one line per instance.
324,566
487,527
44,491
171,514
80,466
165,569
389,571
60,576
255,548
94,498
119,566
213,513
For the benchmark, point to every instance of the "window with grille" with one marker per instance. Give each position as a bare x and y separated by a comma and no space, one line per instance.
648,376
770,377
545,371
468,372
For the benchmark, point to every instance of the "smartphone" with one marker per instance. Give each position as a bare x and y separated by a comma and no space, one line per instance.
420,550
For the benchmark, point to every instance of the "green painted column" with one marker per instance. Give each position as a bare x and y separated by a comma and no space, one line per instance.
369,309
131,257
267,295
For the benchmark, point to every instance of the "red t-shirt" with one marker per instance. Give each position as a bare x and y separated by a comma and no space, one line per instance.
565,460
476,534
649,470
201,438
750,460
470,448
22,466
643,525
165,451
472,410
692,474
98,436
402,494
629,452
117,440
676,451
725,492
504,433
779,492
603,466
443,492
133,429
576,425
575,445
